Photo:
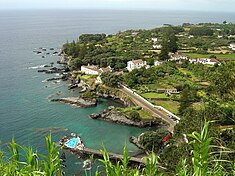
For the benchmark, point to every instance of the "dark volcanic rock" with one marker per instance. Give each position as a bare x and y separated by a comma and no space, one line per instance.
72,86
53,79
116,117
42,70
77,101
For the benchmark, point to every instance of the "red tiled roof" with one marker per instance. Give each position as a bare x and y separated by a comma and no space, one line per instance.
213,60
105,70
137,61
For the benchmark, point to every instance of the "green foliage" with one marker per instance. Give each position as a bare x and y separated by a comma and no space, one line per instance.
52,162
188,96
30,162
134,115
201,145
182,168
223,80
201,31
110,79
74,64
152,140
151,168
121,168
169,43
89,95
151,75
86,38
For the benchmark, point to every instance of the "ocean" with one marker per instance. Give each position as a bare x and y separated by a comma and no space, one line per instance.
25,112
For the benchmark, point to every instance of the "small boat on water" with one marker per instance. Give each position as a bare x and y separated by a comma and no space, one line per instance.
72,142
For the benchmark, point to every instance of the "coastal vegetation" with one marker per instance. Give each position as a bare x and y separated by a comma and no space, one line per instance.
202,160
195,92
26,161
203,92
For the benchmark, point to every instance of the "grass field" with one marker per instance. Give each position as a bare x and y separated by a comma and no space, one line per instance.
219,56
169,105
143,114
85,77
185,71
154,95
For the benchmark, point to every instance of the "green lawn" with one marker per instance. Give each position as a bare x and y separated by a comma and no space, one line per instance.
143,114
85,76
185,71
169,105
88,76
219,56
154,95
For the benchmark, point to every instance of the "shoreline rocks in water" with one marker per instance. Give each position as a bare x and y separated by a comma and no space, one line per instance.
77,101
134,140
116,117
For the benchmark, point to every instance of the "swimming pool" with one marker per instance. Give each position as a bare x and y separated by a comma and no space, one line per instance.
72,143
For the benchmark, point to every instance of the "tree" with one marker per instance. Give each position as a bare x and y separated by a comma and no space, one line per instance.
75,64
164,54
169,43
134,115
201,31
152,140
110,79
223,80
188,96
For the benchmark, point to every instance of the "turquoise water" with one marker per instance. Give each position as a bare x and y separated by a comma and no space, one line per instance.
72,143
25,112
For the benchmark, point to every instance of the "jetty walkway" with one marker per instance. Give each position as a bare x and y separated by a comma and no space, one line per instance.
112,156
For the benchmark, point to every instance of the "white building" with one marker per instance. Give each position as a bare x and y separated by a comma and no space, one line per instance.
211,61
90,69
232,46
154,39
192,60
191,36
135,64
231,36
156,63
177,56
98,80
94,70
157,46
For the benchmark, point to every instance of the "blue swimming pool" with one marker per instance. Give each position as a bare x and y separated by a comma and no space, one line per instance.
72,142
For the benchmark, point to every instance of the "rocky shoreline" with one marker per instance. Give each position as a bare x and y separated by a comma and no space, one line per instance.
110,115
76,101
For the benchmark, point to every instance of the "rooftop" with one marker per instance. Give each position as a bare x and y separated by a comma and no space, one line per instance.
137,61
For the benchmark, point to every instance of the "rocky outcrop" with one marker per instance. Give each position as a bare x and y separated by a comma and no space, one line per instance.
77,101
53,79
115,95
134,140
53,70
109,114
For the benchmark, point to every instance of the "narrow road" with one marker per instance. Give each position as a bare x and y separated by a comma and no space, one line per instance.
149,107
